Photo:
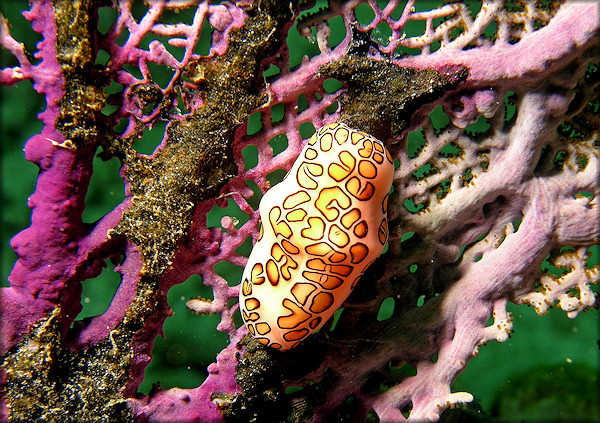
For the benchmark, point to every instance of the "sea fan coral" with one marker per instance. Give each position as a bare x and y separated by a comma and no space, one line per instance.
490,113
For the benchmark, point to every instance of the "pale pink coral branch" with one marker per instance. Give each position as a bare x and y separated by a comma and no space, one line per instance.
405,17
10,76
466,307
570,30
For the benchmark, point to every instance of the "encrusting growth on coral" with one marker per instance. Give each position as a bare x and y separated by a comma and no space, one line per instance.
197,148
490,118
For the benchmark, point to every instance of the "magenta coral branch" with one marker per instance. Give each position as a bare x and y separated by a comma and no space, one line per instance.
193,405
99,327
43,274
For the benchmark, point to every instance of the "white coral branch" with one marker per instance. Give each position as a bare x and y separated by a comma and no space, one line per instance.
571,291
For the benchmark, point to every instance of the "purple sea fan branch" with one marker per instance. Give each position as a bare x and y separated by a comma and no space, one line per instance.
429,390
63,254
492,182
509,170
571,30
38,247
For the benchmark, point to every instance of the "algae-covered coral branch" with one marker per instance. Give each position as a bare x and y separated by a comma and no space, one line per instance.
195,161
503,183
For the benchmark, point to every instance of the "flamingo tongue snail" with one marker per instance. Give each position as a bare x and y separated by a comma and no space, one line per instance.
322,226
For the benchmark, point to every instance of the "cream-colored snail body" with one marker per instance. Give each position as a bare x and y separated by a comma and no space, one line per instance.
322,226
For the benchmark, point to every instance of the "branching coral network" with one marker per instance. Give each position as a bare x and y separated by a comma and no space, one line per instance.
506,176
